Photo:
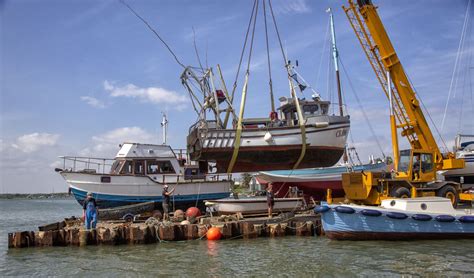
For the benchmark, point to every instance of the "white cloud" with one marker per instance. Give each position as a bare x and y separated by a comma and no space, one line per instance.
292,7
154,95
92,101
106,144
32,142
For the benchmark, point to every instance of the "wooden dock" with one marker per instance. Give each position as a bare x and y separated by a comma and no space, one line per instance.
72,233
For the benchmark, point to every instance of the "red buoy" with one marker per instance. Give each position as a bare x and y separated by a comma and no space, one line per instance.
193,212
214,233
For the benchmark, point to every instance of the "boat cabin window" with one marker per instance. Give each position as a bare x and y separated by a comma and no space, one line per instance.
139,168
309,110
404,161
324,108
115,168
127,168
166,167
152,167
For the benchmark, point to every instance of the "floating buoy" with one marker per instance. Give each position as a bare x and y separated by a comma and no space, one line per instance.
193,212
370,212
185,222
445,218
321,209
467,219
397,215
178,215
422,217
342,209
268,137
214,233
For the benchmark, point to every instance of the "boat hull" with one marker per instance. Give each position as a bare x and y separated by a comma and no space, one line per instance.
255,205
127,190
314,182
272,148
356,226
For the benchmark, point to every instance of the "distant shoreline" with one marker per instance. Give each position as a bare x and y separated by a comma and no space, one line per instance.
35,196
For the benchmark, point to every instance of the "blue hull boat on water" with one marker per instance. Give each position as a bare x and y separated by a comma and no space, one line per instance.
397,219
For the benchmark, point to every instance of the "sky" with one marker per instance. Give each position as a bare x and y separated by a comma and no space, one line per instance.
80,77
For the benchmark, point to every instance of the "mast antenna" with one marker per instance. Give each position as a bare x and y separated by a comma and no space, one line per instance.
335,56
164,126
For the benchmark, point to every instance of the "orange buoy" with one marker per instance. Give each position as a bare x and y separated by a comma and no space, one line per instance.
214,233
193,212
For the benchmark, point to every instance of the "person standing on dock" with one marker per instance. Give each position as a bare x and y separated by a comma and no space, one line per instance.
270,200
90,211
166,202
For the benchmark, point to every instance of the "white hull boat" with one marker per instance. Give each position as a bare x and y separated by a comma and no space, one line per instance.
138,174
255,205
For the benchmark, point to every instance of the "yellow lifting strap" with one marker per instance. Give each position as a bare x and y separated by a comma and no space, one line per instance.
301,122
238,132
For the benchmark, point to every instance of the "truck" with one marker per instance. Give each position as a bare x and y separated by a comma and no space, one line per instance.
415,169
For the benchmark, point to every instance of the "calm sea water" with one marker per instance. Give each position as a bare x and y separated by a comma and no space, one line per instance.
288,256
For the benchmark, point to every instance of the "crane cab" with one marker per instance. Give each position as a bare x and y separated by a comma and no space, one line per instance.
417,166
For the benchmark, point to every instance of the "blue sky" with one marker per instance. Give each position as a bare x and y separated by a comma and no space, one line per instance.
79,77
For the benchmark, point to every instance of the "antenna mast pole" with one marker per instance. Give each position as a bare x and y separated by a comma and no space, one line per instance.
335,56
164,125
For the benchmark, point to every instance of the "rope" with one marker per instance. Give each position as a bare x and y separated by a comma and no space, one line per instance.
322,53
361,107
268,58
301,120
243,51
244,95
466,16
153,30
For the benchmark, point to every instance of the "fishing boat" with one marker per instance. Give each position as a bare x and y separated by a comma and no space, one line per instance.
267,144
464,149
254,205
300,133
314,182
397,219
137,174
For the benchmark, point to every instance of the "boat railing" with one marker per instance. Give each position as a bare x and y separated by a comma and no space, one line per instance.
175,178
90,164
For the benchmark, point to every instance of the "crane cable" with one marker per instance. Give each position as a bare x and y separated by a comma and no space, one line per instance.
238,132
301,121
153,30
268,59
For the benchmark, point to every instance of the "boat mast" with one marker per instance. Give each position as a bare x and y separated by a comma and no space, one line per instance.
335,56
164,125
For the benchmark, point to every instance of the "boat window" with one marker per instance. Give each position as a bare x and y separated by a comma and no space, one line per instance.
310,109
404,161
426,162
139,169
166,167
324,109
127,168
152,167
115,168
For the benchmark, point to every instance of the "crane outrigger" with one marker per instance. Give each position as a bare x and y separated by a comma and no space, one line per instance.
415,168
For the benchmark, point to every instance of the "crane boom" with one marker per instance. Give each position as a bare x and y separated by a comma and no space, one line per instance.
409,116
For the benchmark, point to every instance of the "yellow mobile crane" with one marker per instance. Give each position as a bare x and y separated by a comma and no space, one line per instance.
415,168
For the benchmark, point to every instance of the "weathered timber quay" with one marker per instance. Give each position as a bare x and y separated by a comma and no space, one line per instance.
72,233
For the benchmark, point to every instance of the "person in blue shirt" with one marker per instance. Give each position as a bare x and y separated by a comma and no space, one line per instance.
90,211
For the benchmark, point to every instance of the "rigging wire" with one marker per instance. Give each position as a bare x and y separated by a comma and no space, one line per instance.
154,31
326,39
196,50
268,58
466,16
277,32
361,107
243,51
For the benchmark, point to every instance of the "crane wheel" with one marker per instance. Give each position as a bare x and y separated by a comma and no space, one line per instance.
400,192
448,191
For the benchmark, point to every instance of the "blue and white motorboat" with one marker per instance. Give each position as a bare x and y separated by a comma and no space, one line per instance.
138,174
397,219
